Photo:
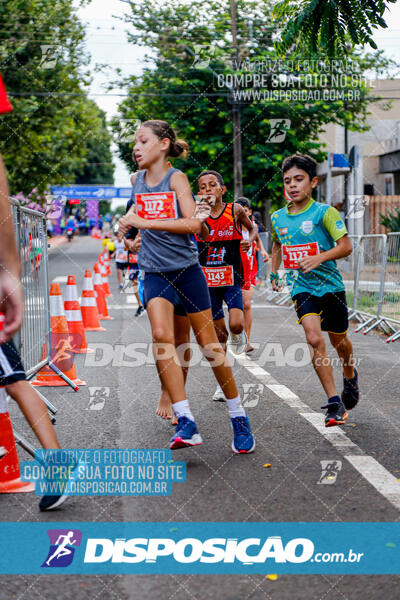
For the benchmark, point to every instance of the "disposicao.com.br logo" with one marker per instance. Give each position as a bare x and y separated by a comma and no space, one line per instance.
247,551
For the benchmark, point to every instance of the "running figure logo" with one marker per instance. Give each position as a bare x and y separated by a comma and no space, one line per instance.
62,547
279,128
330,470
252,393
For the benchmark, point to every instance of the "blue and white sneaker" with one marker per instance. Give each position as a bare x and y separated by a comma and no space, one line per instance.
243,440
50,502
186,434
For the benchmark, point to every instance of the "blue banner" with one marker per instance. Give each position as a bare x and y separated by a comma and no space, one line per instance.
102,192
207,548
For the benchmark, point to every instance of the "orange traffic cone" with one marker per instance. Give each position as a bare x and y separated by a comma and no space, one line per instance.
73,314
103,271
104,277
62,355
100,295
107,262
10,474
90,315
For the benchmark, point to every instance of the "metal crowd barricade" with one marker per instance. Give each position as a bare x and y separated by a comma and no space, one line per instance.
34,339
348,268
369,281
390,314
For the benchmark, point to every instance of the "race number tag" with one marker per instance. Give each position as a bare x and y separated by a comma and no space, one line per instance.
122,257
156,205
218,276
292,254
133,258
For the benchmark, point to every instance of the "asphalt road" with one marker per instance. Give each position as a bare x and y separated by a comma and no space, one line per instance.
283,400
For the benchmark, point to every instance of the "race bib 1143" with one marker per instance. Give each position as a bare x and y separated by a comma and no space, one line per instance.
292,254
218,276
156,205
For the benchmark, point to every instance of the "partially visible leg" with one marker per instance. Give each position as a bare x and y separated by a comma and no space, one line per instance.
205,331
35,411
248,316
344,348
322,364
182,339
161,313
221,331
236,320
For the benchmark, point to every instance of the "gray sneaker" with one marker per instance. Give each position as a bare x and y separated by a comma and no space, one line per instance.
238,342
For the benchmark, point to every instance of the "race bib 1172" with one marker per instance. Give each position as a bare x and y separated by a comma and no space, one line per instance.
156,205
292,254
218,276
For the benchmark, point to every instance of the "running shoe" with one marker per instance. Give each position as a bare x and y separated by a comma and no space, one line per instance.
121,286
140,311
335,414
238,342
243,440
186,434
53,502
219,395
350,394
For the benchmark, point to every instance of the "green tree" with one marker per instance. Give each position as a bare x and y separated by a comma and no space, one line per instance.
53,128
191,95
330,24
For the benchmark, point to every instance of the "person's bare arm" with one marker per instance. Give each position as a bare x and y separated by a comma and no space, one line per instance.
11,301
342,249
187,224
261,249
275,263
244,220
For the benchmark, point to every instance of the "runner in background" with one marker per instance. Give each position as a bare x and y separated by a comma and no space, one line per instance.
310,237
170,261
121,259
250,270
220,246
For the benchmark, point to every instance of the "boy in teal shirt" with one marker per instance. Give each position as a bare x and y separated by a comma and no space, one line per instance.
309,237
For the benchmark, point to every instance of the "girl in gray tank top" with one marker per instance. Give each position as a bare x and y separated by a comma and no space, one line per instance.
169,259
161,250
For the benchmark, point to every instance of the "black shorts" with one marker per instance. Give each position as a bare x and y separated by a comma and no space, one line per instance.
122,266
331,307
11,367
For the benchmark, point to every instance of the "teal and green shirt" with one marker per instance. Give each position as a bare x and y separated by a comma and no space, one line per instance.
317,222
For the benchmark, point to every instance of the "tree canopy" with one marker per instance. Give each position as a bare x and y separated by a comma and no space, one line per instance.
187,82
54,129
330,24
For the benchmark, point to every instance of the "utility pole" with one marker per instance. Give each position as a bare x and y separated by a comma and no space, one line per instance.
237,134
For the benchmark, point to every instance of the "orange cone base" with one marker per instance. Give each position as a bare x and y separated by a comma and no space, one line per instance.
15,486
108,318
56,383
95,329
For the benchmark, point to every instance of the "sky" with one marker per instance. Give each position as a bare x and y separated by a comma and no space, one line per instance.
107,44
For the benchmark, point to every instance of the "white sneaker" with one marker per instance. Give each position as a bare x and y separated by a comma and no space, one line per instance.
238,342
219,395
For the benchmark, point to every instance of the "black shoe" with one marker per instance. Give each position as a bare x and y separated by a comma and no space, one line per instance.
350,394
335,415
53,502
139,311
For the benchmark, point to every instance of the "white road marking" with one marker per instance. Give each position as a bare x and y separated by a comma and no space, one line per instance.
372,471
131,299
383,481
